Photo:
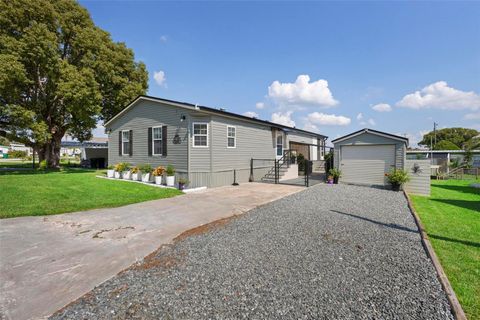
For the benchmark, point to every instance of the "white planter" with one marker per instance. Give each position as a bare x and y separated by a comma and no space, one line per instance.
158,179
118,175
110,173
170,181
137,176
127,175
146,177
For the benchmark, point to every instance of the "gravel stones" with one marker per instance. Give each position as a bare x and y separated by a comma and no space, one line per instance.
336,252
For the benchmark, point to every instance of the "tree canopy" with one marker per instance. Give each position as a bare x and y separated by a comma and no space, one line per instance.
455,136
60,74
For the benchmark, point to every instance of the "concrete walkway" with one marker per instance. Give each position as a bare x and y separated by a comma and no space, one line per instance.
47,262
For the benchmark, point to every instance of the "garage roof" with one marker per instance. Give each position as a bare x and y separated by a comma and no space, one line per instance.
371,131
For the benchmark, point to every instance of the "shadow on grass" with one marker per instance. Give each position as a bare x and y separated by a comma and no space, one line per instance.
463,189
464,242
25,171
466,204
388,225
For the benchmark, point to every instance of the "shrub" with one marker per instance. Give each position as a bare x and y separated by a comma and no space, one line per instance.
145,168
158,171
135,169
42,165
170,170
301,162
111,167
20,154
398,177
335,173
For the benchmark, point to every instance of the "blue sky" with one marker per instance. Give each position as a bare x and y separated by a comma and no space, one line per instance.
319,65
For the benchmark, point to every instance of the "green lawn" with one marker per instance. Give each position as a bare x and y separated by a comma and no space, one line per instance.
451,217
31,193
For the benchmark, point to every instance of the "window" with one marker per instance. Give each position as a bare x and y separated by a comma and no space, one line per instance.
200,134
157,140
231,137
125,142
279,145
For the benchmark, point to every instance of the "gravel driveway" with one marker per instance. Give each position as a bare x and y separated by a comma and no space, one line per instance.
336,252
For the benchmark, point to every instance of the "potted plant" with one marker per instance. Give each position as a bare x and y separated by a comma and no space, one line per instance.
182,182
397,178
170,175
111,171
336,174
330,179
146,171
126,173
117,171
136,174
158,173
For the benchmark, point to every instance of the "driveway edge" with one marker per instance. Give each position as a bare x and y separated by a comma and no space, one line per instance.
447,287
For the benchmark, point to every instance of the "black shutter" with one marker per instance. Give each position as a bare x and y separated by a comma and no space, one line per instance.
120,143
131,142
164,141
149,143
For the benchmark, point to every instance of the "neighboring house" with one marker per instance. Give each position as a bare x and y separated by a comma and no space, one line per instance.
93,153
443,158
366,156
205,145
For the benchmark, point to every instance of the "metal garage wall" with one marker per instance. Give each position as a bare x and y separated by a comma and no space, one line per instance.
419,172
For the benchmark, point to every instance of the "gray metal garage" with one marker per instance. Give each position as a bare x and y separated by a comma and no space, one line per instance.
365,156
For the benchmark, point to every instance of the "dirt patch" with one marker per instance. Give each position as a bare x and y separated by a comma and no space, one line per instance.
160,258
204,228
117,233
117,291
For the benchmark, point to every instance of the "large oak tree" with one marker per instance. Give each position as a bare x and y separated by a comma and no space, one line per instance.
60,74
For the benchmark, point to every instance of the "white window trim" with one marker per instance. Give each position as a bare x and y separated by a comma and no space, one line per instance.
234,138
280,134
193,134
123,141
153,141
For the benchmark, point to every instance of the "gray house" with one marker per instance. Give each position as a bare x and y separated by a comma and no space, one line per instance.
365,156
205,145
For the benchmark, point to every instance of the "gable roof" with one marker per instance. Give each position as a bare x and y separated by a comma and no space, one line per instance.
209,110
371,131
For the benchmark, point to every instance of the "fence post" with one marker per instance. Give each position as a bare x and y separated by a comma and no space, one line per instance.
276,172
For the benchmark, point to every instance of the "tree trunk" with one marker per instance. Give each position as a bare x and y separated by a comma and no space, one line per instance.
50,152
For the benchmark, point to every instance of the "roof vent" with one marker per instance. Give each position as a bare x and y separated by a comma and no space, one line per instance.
222,109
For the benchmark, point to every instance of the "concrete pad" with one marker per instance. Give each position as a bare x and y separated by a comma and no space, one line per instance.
47,262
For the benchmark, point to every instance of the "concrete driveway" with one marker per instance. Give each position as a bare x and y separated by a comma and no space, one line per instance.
47,262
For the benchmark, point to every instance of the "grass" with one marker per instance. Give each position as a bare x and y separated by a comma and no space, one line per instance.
33,192
451,217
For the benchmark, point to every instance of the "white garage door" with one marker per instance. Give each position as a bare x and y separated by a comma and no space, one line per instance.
367,164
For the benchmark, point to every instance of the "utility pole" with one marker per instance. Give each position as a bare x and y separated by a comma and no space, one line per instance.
435,133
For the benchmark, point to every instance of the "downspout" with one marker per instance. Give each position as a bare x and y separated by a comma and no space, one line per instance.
188,147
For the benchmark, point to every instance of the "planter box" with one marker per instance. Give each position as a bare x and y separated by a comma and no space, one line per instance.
127,175
110,173
137,176
117,175
170,181
158,179
146,177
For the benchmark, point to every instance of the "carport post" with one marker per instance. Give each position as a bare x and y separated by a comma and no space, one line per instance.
250,179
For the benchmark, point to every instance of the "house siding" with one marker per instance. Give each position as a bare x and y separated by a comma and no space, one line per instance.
144,115
368,138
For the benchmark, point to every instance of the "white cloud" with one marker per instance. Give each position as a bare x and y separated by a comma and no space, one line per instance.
318,118
359,116
472,116
160,78
163,38
382,107
440,96
260,105
310,127
302,92
283,118
250,114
